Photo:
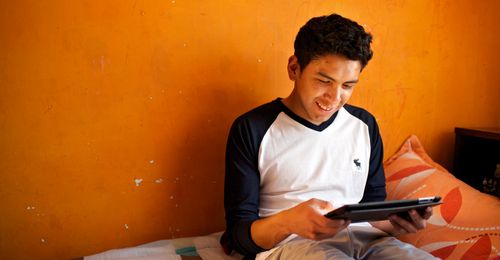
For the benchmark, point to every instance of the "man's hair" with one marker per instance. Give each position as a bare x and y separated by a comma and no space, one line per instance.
335,35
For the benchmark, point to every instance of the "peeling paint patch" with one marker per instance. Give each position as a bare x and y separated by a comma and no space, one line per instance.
152,161
172,197
126,226
30,208
139,182
42,240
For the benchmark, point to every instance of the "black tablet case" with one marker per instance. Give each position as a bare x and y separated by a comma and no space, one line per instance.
373,211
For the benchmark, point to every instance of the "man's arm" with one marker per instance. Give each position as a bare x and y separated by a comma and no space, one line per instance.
241,188
305,220
375,184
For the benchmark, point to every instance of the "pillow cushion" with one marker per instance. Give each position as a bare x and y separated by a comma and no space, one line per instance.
465,226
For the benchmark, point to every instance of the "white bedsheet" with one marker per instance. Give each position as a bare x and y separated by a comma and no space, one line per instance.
207,247
160,252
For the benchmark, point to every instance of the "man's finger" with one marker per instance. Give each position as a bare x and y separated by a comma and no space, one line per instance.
427,213
403,223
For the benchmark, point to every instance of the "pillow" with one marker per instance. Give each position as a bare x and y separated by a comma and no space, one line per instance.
465,226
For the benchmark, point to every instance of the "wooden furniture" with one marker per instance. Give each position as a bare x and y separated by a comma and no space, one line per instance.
477,153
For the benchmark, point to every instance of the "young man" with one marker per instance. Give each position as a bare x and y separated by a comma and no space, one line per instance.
290,161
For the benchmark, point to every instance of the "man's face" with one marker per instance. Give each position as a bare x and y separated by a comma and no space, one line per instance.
322,87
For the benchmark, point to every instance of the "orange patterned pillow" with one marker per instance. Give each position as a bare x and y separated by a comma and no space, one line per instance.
465,226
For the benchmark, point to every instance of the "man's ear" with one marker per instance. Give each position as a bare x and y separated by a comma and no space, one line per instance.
293,67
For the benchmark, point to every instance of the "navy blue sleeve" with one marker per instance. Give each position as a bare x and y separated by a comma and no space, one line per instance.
241,189
375,185
242,177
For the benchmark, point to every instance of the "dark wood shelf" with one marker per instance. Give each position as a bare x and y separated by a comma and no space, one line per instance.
487,133
477,152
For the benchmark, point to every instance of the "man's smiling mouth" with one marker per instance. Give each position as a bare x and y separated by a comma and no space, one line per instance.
323,106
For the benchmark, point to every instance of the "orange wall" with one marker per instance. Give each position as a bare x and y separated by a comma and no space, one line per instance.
96,94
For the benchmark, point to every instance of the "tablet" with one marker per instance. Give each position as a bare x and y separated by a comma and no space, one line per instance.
373,211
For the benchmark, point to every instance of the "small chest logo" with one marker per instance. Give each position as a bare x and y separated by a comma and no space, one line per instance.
358,164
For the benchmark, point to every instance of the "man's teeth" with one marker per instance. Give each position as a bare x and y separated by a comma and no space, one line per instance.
326,108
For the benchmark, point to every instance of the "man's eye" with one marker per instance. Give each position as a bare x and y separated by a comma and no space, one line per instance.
324,81
348,86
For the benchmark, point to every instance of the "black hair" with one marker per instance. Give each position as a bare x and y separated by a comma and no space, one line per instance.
332,34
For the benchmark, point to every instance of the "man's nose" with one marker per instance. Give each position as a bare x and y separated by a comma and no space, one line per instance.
334,92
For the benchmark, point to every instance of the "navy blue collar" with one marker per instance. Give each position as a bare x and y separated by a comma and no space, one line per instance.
303,121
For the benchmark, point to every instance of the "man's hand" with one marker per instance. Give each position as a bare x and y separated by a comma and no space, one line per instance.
415,223
305,220
398,226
